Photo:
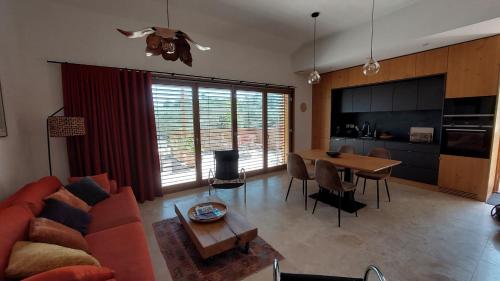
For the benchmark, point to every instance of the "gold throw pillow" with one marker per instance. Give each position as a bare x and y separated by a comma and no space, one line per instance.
30,258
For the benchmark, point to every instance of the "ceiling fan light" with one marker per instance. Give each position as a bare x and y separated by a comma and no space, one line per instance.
169,47
313,78
371,67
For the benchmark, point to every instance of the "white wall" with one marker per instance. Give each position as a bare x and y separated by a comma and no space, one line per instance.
32,32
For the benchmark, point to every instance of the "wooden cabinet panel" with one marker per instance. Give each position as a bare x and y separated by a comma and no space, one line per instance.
473,68
321,110
356,76
464,174
401,67
340,79
431,62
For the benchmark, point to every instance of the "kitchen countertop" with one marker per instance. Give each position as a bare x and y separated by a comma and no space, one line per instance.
395,139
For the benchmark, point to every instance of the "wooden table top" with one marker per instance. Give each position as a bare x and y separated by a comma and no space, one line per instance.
215,237
352,161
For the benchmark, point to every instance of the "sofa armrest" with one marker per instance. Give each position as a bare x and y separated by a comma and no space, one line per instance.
113,187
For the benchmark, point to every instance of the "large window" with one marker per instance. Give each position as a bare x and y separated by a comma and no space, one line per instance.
194,120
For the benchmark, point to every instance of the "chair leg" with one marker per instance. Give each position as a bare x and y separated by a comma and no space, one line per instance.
317,197
289,186
245,189
305,197
357,179
387,189
339,205
378,198
341,174
303,189
209,192
354,203
364,187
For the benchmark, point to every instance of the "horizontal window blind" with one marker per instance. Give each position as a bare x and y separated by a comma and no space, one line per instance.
277,129
173,107
215,125
250,131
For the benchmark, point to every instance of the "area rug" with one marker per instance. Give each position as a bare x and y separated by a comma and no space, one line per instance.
185,264
332,200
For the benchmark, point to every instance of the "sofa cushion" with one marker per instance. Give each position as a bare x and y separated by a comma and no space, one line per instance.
70,199
30,258
102,180
63,213
48,231
74,273
124,249
118,209
34,193
14,223
88,190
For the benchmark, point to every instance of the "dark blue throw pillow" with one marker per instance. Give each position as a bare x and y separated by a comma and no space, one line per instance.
68,215
88,190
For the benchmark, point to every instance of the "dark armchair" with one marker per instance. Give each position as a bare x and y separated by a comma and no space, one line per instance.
226,174
279,276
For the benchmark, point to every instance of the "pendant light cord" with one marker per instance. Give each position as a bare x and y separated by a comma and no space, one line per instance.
314,46
168,17
371,40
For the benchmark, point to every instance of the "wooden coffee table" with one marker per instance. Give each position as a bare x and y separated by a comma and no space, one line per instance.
214,238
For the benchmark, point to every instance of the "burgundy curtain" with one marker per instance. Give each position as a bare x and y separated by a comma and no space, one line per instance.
121,135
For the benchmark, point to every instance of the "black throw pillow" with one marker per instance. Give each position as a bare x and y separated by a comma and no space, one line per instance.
88,190
68,215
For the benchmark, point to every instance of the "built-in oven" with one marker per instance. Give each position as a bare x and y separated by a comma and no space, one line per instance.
468,126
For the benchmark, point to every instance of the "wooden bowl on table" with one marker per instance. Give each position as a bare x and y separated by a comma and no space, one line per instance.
216,205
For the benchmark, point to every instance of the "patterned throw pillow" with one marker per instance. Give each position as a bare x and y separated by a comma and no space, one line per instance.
69,216
48,231
70,199
30,258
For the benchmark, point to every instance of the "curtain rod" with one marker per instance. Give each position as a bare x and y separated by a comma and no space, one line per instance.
192,77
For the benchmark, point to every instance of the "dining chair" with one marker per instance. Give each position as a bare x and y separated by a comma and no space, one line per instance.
328,178
296,168
378,152
345,149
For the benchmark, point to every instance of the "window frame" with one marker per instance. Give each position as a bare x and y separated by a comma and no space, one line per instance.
196,84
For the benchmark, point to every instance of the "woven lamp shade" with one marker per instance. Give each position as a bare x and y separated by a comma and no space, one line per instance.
62,126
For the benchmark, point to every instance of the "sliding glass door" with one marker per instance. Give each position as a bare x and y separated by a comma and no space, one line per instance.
173,107
194,120
216,131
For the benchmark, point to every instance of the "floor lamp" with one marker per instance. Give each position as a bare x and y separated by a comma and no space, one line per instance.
63,126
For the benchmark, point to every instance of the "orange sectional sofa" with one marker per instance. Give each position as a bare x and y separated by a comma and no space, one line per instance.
116,235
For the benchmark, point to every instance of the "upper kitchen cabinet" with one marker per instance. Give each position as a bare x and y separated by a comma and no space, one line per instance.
346,100
361,99
430,93
382,97
340,79
405,95
473,68
395,69
431,62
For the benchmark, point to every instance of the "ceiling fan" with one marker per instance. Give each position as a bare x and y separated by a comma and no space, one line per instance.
171,44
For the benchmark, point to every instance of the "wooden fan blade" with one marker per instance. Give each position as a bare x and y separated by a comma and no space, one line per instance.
138,33
164,32
198,46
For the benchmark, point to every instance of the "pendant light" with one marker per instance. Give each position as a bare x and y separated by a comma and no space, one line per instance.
371,67
314,76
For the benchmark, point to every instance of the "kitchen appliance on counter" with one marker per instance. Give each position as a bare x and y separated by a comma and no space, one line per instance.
421,134
468,126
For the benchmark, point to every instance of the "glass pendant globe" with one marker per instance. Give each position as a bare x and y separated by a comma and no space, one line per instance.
169,48
313,78
371,67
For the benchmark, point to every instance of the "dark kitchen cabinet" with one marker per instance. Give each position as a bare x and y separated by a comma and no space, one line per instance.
336,143
420,162
430,93
346,101
361,100
405,96
357,144
382,97
368,145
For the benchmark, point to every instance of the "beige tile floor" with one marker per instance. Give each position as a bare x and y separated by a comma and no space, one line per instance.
420,235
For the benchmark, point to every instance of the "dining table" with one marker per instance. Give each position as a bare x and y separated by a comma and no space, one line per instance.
349,162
